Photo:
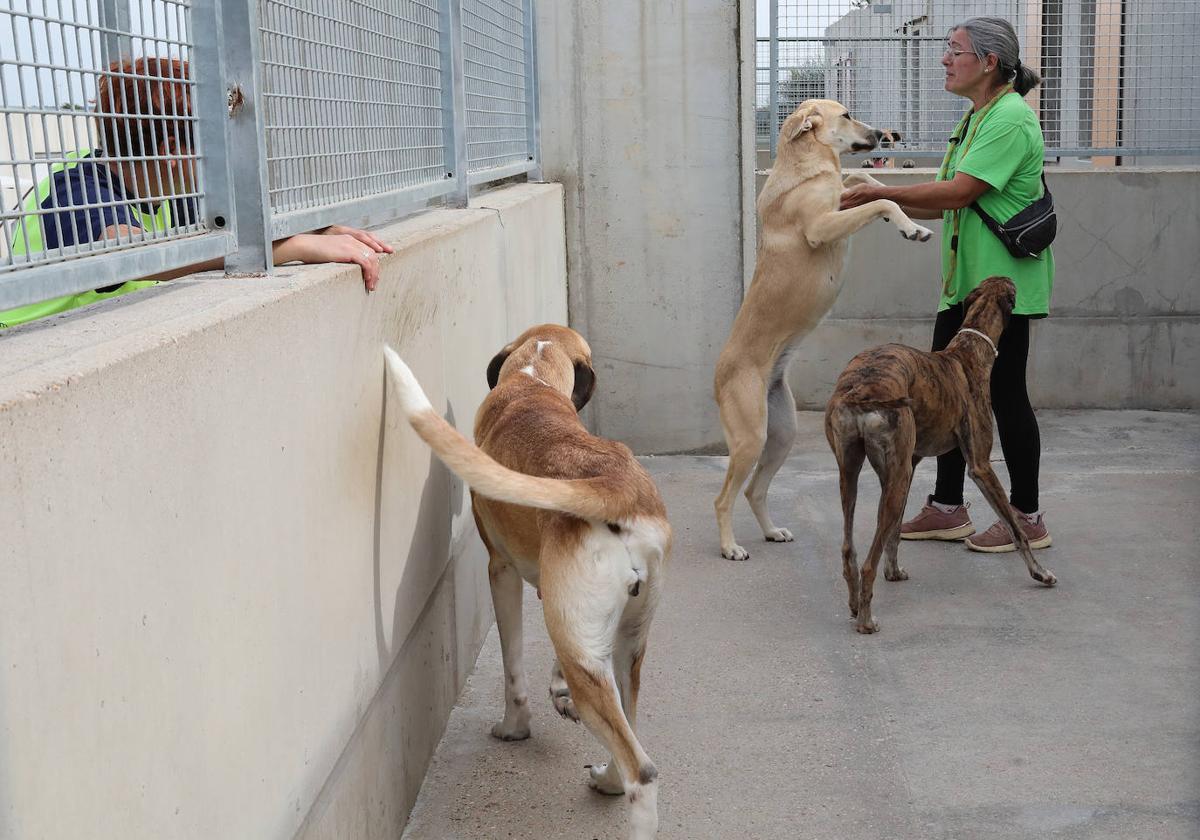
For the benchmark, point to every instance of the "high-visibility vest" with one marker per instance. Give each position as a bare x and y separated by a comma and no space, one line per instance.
27,238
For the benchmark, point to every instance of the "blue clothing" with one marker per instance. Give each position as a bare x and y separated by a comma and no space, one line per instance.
89,182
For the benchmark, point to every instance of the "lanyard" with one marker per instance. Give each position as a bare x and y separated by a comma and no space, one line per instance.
957,137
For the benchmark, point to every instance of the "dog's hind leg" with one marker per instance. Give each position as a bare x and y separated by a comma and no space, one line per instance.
597,698
905,441
781,433
889,449
849,451
976,456
506,598
743,408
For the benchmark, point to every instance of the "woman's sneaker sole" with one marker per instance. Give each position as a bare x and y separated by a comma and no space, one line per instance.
948,534
1044,542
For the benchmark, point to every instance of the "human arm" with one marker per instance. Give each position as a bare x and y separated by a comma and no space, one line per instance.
921,201
335,243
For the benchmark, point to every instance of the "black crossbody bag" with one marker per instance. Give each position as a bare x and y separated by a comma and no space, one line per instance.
1029,232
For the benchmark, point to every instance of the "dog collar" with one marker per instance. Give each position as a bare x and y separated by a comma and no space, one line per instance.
984,337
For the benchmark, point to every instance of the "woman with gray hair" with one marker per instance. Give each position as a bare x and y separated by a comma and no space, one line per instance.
993,161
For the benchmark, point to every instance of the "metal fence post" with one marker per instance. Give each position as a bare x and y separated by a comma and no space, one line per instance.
211,109
532,113
247,139
773,129
114,15
454,100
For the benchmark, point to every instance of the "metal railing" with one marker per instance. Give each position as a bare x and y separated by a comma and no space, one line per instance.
1118,75
141,136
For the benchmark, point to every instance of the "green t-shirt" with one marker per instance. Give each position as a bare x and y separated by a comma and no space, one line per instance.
1006,152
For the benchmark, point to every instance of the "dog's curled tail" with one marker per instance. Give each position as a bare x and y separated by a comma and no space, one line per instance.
587,498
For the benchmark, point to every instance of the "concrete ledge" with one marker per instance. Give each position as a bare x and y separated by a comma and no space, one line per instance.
237,596
1074,362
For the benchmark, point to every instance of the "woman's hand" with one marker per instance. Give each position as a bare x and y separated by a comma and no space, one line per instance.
857,195
336,243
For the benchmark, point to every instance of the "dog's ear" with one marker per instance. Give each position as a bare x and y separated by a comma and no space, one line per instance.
1009,301
497,362
970,299
585,384
803,122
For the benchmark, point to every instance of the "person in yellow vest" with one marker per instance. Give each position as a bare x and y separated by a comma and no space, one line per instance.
143,110
994,158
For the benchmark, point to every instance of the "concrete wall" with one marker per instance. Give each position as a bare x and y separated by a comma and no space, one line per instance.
237,597
647,120
1124,330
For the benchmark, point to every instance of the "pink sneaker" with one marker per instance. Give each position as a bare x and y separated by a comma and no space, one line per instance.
933,523
998,538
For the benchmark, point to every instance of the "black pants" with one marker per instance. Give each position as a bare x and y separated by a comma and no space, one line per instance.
1015,421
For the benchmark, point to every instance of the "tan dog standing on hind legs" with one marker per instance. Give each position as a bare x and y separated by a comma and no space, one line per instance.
894,405
578,518
797,277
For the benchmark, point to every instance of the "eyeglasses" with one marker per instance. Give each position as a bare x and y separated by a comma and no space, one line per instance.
953,52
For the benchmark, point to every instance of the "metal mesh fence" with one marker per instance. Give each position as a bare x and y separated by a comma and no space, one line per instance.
1117,74
98,148
352,91
494,75
313,112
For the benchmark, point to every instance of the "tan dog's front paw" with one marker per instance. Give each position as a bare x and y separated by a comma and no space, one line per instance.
779,535
606,779
735,552
513,732
917,233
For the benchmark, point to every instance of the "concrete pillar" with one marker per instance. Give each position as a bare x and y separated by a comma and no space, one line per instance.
647,121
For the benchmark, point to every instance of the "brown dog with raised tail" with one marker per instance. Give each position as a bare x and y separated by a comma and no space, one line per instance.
578,518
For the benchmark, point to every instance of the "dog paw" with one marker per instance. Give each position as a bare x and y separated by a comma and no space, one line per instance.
899,574
779,535
606,779
917,234
560,697
735,552
867,627
510,732
1046,576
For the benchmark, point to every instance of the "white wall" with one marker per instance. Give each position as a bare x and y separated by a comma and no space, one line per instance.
237,597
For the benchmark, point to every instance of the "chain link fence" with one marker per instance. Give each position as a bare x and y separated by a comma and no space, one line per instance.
141,136
1118,75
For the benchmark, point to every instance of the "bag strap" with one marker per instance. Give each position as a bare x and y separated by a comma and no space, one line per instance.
994,226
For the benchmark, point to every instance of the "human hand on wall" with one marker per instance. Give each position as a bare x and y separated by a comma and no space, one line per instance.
336,243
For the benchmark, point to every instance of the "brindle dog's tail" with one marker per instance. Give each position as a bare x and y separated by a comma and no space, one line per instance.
866,402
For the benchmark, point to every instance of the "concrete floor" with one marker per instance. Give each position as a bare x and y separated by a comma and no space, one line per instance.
988,706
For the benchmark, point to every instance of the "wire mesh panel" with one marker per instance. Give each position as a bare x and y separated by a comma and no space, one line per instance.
495,72
353,99
1117,74
98,143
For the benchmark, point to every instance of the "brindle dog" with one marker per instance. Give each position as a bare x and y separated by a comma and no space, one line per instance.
895,405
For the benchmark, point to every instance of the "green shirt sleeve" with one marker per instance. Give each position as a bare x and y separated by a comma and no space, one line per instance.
995,153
